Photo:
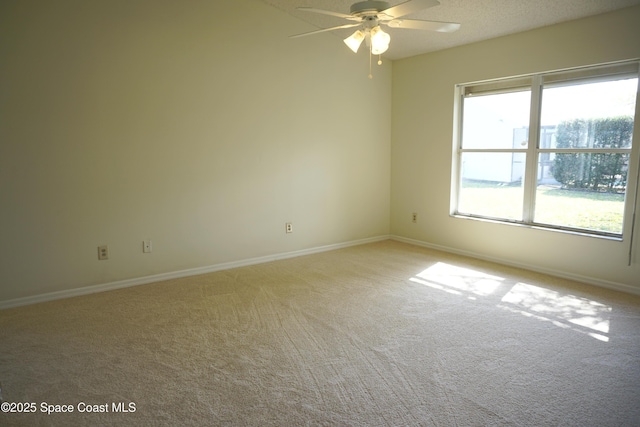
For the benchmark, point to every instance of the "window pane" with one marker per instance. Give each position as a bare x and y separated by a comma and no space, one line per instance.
491,185
582,190
496,121
589,115
585,190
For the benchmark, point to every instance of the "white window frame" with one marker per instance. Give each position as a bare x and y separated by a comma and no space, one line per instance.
535,83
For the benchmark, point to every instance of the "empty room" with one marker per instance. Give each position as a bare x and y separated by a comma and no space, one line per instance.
319,212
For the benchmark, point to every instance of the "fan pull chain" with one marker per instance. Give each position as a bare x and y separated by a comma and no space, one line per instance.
370,73
379,59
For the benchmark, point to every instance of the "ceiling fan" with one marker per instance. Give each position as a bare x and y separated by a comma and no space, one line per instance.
370,15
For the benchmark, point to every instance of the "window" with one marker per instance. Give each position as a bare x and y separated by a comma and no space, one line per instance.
552,150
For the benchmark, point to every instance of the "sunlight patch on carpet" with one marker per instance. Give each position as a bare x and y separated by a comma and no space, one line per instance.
457,280
566,311
581,314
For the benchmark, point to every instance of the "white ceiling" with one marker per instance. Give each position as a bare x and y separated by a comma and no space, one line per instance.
480,19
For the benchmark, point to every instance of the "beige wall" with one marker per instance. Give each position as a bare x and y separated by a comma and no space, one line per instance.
197,124
422,126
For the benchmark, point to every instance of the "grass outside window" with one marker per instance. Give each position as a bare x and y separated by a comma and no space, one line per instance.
578,209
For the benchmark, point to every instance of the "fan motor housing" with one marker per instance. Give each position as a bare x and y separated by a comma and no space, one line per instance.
368,8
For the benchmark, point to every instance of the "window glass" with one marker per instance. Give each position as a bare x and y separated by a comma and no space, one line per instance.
489,120
580,104
580,205
492,185
585,188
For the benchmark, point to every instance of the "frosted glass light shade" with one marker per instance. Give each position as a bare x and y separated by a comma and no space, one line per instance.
354,40
379,41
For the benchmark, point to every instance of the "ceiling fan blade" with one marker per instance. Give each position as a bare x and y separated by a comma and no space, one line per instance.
328,12
414,24
409,7
324,29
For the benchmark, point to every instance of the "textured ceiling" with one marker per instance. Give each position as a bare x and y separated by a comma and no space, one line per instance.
480,19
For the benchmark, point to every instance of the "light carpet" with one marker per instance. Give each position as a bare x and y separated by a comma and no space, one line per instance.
383,334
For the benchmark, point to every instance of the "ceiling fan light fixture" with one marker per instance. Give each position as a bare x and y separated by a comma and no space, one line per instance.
369,15
355,40
379,41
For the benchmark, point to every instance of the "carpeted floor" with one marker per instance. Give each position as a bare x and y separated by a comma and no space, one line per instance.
383,334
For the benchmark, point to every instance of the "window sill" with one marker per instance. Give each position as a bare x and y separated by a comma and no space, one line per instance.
615,238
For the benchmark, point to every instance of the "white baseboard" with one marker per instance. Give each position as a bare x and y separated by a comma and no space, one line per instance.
86,290
51,296
551,272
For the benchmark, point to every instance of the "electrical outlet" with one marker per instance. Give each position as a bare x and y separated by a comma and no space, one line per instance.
146,246
414,217
288,227
103,252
